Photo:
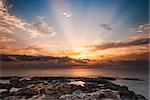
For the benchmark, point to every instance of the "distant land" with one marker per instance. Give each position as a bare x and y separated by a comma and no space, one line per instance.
22,61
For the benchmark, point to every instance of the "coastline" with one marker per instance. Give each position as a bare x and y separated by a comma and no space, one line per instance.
64,88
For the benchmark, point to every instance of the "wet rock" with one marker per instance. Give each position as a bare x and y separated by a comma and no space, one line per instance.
77,92
25,79
127,95
14,89
98,95
140,97
2,90
89,86
51,88
54,82
14,81
27,91
4,94
5,86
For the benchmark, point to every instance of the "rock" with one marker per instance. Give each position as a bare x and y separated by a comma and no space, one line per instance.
4,94
81,83
3,90
134,79
58,88
5,86
108,78
54,81
98,95
111,94
27,91
127,95
140,97
14,81
25,79
89,86
77,92
124,88
14,89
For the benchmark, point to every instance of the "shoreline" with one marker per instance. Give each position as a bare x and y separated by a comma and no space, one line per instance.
66,88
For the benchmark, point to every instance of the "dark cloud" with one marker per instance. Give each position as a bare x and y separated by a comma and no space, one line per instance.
106,26
122,44
142,29
40,27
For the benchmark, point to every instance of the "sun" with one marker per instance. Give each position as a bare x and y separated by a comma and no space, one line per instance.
80,53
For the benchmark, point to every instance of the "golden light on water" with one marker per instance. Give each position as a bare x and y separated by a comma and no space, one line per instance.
75,71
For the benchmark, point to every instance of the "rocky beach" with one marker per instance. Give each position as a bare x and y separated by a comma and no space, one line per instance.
65,88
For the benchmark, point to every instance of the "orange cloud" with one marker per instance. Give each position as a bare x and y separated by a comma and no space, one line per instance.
122,44
136,47
28,50
71,53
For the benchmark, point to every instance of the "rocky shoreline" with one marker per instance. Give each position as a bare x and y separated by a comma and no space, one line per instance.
65,88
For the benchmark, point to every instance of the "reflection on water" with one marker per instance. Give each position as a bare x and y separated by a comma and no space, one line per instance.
77,83
75,72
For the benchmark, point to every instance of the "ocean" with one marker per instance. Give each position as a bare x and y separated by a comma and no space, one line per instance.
139,87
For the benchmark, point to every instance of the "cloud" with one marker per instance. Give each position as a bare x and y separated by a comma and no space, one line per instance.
67,15
106,26
142,29
29,50
42,28
136,47
71,53
122,44
5,41
144,55
16,33
140,37
12,25
141,32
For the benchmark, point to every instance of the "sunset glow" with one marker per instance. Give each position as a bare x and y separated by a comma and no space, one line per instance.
74,29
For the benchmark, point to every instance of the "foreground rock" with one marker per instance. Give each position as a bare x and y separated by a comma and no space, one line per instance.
61,88
103,94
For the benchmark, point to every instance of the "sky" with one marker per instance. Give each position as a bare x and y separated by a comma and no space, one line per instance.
93,29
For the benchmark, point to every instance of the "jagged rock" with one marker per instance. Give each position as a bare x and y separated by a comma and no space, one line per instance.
27,91
54,89
108,94
4,94
5,86
77,92
127,95
14,81
14,89
140,97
